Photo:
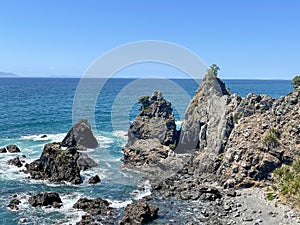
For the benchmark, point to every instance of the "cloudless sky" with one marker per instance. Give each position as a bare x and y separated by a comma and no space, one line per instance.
247,39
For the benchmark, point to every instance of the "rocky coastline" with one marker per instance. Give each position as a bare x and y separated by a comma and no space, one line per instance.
217,169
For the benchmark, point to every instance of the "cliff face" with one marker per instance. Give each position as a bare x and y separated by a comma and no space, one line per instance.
208,121
262,140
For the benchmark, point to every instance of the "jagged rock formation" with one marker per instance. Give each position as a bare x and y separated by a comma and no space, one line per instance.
151,134
57,165
155,121
238,142
45,199
208,122
80,136
139,213
262,141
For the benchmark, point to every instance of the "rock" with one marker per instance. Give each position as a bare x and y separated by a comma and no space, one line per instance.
139,213
152,135
80,136
57,165
13,149
3,150
95,206
14,204
94,180
45,199
44,136
84,162
15,161
155,121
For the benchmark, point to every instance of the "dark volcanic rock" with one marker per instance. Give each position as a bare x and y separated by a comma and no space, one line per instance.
95,206
151,135
84,162
45,199
3,150
94,180
139,213
13,149
15,161
14,204
80,136
57,165
155,121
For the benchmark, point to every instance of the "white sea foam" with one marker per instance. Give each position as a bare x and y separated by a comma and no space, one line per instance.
49,137
146,191
119,204
104,142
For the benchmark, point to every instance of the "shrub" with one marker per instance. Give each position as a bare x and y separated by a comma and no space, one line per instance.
271,139
172,146
296,82
288,182
144,101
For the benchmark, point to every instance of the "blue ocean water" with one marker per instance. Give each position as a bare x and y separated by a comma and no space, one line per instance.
31,107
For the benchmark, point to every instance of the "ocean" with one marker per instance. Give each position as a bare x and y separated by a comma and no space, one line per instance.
32,107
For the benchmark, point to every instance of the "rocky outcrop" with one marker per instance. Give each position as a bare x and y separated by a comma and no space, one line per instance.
208,122
80,136
94,180
139,213
151,134
15,161
95,206
57,165
238,142
262,141
45,199
10,149
155,121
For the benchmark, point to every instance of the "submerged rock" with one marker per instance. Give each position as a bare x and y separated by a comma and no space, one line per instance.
57,165
139,213
45,199
80,136
14,204
15,161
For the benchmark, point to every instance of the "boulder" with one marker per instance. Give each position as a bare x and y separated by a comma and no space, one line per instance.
45,199
95,206
94,179
3,150
80,136
139,213
13,149
15,161
58,165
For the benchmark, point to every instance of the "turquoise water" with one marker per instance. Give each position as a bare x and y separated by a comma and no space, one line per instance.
31,107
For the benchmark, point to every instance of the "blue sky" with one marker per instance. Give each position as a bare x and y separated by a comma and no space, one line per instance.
247,39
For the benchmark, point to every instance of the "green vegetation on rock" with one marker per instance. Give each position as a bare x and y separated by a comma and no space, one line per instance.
296,82
288,182
144,100
271,139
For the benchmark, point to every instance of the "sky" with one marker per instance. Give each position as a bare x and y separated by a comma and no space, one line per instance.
257,39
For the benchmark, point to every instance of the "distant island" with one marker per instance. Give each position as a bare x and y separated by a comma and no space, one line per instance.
3,74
